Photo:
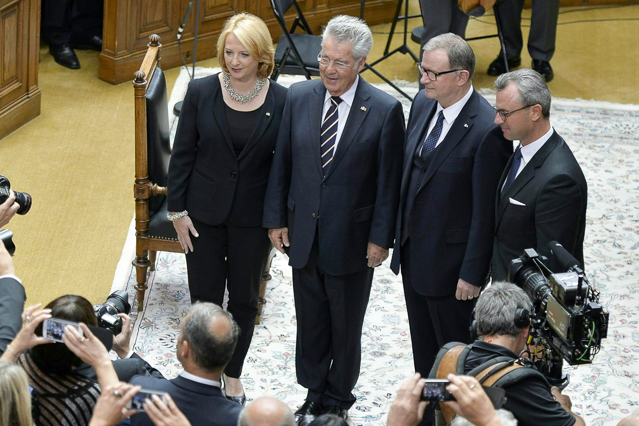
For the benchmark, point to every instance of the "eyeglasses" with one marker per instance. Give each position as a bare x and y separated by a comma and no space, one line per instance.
338,63
432,75
504,114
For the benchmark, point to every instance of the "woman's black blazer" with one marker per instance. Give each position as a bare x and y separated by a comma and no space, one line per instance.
206,177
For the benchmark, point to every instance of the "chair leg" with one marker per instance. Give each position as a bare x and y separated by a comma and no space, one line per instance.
152,257
266,276
142,264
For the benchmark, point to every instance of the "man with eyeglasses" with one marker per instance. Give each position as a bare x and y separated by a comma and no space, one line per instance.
331,205
542,194
444,229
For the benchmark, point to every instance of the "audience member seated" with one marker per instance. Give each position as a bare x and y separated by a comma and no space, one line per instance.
60,394
266,411
471,402
15,401
12,297
205,345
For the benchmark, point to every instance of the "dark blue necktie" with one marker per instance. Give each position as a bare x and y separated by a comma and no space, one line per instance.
431,141
328,134
512,174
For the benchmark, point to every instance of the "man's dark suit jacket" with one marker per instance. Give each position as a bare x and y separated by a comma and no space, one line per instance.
12,297
202,404
205,176
357,200
554,191
453,211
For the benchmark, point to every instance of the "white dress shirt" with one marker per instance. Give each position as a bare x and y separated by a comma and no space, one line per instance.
198,379
529,151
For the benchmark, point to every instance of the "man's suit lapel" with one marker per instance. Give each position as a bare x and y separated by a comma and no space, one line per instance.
264,121
219,115
315,122
524,176
359,110
463,123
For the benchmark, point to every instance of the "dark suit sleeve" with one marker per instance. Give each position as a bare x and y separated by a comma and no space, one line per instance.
558,212
12,297
184,150
490,160
280,175
389,178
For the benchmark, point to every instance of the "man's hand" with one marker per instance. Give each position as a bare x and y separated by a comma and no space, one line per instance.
8,209
122,342
466,291
375,255
408,409
279,238
6,263
566,404
184,227
471,402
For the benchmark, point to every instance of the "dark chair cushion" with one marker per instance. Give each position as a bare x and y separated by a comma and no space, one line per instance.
159,226
158,134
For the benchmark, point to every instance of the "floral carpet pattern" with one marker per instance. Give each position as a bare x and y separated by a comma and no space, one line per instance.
605,139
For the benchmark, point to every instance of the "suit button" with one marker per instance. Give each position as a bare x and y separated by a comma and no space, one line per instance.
234,175
314,215
323,185
418,185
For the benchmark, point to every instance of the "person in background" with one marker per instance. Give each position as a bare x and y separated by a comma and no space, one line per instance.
218,174
266,411
72,24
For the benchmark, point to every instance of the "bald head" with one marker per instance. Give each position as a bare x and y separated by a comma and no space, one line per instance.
266,411
212,335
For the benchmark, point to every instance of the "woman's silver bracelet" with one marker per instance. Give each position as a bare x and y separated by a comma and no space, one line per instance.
175,216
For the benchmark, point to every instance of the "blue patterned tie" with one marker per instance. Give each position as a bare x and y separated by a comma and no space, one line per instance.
431,141
328,134
512,174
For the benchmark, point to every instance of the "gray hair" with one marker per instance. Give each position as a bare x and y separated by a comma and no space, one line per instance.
460,54
211,352
531,85
266,411
496,308
507,419
348,29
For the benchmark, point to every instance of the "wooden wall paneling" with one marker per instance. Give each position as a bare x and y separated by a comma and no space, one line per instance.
128,23
19,54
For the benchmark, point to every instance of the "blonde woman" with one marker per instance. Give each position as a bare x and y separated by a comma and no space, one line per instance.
218,174
15,400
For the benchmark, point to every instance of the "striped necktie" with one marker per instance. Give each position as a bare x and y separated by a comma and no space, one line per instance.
431,141
328,134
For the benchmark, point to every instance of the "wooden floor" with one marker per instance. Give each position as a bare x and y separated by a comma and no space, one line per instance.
76,159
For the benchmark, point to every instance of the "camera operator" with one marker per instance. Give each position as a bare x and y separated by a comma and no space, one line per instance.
531,399
8,209
12,297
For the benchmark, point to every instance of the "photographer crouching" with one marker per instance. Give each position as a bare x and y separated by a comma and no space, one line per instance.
502,316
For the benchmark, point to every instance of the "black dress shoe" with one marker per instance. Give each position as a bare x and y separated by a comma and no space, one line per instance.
239,399
64,55
543,68
337,411
307,412
91,43
497,66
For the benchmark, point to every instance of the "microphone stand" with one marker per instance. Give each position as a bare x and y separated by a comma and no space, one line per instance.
177,108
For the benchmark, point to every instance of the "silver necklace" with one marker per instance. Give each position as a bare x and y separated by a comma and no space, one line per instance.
243,99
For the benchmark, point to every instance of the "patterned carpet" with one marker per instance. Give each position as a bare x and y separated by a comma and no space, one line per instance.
604,138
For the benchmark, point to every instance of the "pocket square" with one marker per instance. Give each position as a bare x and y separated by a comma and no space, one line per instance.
515,202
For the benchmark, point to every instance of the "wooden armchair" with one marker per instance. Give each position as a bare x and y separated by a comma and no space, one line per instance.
154,232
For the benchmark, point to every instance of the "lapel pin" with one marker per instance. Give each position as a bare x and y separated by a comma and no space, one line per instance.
363,108
465,125
268,114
